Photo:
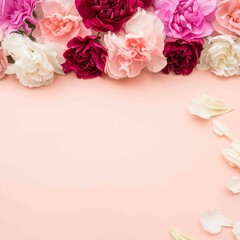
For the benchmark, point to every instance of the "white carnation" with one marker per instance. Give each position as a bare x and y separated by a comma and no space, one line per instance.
221,55
35,64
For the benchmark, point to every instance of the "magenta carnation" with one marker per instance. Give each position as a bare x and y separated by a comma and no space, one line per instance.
186,18
85,56
182,55
15,13
108,15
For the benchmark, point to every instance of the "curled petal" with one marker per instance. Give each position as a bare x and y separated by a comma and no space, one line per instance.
221,130
236,230
205,106
235,145
213,221
234,185
178,236
232,157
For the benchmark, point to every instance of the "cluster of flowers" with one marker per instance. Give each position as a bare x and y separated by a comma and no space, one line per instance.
117,37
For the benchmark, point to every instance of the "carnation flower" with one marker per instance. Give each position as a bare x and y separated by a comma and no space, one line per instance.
221,55
103,16
58,23
186,18
182,55
14,15
85,56
35,64
139,46
227,17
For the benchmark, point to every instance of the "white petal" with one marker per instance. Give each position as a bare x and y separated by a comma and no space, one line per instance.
235,145
236,230
232,157
221,130
178,236
213,221
234,185
206,106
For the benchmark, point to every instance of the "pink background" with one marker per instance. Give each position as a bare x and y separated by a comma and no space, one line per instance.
113,160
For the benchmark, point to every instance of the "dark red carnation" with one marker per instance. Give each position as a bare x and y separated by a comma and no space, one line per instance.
108,15
85,56
182,55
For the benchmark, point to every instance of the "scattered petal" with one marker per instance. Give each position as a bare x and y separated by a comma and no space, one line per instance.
232,157
213,221
205,106
234,185
236,230
178,236
221,130
235,145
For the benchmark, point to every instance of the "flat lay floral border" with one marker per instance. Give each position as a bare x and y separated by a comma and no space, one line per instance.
119,38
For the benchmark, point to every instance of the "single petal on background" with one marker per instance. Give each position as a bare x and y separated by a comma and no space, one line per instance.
206,106
179,236
236,230
234,185
221,130
213,221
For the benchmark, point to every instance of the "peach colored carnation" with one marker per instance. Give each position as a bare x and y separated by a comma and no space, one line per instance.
59,23
227,17
139,46
3,63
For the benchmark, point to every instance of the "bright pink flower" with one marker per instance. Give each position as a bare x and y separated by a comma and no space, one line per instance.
59,23
186,18
14,15
227,17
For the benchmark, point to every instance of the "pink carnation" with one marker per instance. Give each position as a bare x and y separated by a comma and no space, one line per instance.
227,17
59,23
140,46
15,13
186,18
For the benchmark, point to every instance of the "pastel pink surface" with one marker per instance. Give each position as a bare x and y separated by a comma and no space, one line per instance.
107,159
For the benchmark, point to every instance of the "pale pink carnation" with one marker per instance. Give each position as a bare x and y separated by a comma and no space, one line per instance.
186,18
59,23
139,46
14,15
227,17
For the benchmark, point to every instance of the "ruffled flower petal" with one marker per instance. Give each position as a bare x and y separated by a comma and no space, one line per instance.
236,230
234,185
206,106
179,236
232,157
213,221
221,130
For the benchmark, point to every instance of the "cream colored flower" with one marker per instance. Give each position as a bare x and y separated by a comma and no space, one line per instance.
221,55
213,221
35,64
179,236
221,130
206,106
236,230
234,185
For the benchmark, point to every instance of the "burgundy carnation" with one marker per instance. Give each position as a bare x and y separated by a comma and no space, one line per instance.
108,15
182,55
85,56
